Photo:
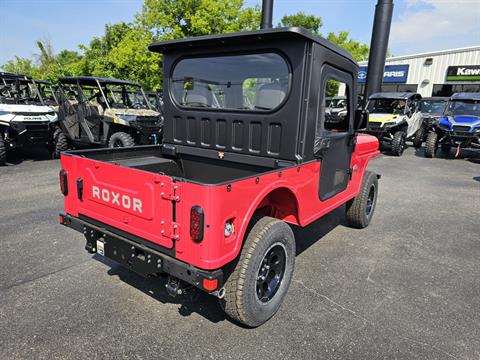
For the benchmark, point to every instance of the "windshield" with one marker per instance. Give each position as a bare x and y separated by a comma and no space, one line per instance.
387,106
463,107
19,91
47,94
434,107
125,96
253,82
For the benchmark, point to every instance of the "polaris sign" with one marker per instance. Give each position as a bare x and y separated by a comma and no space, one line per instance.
393,74
463,73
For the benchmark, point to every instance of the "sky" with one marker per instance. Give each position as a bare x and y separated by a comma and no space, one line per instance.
418,25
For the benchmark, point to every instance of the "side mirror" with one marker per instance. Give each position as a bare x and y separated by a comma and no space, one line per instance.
361,118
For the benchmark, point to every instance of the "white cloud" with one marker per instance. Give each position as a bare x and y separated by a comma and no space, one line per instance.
428,25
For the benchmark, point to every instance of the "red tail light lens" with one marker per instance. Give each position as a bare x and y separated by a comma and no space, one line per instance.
196,223
63,182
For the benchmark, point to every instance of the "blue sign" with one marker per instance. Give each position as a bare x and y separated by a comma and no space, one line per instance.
393,74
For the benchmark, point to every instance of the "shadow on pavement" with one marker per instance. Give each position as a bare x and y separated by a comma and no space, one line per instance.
196,301
17,156
465,154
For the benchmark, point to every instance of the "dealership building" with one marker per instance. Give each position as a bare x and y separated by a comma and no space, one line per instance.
439,73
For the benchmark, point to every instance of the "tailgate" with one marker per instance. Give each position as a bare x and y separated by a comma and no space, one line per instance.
138,202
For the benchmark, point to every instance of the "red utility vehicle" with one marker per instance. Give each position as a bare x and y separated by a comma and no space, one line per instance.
249,149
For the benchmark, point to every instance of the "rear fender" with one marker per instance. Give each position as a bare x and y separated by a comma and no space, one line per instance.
277,200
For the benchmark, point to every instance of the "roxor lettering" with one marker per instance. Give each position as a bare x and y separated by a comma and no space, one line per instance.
118,199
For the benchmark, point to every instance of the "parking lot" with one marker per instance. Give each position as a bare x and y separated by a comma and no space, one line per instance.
407,287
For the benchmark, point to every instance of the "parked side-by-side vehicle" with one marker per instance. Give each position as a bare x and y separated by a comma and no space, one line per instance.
395,118
247,153
459,126
107,112
26,117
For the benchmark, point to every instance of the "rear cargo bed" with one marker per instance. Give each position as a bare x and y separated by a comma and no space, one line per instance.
192,168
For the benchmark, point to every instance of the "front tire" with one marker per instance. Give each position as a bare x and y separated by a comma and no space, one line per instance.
398,143
431,145
259,282
418,139
3,152
60,141
359,210
121,139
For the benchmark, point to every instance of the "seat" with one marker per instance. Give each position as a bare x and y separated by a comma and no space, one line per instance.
269,96
200,95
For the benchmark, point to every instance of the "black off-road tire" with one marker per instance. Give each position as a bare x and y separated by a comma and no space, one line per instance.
60,143
446,148
241,301
3,152
121,139
418,138
398,143
431,145
359,210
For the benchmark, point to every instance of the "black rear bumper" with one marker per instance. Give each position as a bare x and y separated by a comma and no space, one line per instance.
138,256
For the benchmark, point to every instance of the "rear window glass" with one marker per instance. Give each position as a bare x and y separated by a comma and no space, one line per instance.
251,82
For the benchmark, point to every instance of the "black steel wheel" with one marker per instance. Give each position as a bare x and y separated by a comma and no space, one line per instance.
259,281
270,272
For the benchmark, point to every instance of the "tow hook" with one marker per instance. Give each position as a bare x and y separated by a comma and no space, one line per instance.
174,287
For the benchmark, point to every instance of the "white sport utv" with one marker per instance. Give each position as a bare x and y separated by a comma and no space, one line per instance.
395,118
25,118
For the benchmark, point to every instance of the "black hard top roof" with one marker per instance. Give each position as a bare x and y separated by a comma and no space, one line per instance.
394,95
436,98
246,37
8,75
465,96
46,82
92,81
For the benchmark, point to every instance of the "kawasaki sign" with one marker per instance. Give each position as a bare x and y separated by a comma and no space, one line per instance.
463,73
392,74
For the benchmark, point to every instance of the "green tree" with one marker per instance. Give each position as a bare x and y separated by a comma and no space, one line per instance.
359,50
21,66
173,19
311,22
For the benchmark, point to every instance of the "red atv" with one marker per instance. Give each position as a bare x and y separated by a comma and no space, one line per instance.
249,149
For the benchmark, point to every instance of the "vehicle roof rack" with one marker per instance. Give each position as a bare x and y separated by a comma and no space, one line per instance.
466,96
92,80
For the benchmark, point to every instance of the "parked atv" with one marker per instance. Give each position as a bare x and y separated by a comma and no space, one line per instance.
25,118
394,118
459,126
432,108
107,112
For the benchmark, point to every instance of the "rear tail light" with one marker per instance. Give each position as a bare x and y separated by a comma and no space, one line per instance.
63,182
196,223
210,285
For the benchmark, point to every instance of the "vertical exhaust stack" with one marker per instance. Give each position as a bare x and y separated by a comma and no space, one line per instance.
378,46
267,14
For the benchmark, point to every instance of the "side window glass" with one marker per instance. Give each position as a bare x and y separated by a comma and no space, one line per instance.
336,108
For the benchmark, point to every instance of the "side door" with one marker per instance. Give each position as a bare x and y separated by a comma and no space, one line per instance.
334,134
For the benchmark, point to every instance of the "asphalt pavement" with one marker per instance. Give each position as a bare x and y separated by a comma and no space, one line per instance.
406,287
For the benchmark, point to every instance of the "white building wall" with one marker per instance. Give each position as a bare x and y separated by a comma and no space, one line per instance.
428,75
